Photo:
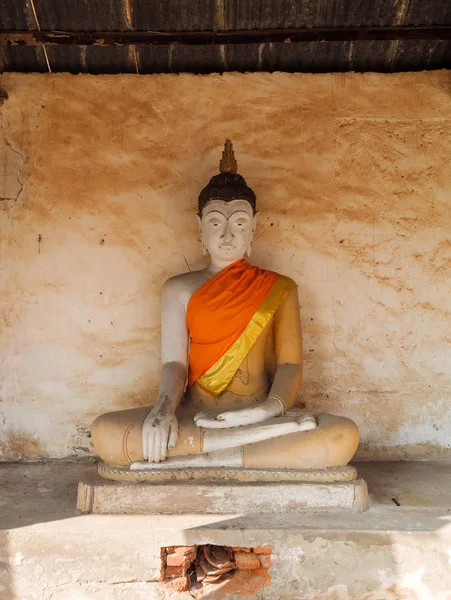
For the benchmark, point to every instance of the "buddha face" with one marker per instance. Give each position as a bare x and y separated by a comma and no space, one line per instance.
227,229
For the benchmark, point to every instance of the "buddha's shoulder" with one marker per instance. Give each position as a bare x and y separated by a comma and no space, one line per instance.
284,280
185,282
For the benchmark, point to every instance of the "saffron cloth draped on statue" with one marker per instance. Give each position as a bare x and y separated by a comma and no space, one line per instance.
225,316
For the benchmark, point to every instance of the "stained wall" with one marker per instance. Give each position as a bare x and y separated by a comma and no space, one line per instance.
98,189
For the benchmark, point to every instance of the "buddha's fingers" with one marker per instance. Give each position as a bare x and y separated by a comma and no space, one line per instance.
198,416
155,449
211,423
148,440
173,434
145,443
203,420
163,444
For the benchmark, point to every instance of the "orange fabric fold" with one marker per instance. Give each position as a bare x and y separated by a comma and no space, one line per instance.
220,310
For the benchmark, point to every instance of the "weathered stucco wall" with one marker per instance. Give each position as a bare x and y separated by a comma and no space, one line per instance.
353,178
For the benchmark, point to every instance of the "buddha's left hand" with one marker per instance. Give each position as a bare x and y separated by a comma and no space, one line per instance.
239,418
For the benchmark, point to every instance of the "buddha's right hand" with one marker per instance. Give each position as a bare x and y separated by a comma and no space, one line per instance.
159,432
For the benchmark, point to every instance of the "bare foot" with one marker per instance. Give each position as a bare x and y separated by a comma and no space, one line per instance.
307,422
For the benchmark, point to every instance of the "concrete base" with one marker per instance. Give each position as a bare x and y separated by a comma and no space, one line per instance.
107,497
395,550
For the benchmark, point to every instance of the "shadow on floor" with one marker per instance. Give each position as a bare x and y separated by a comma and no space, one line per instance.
6,578
40,492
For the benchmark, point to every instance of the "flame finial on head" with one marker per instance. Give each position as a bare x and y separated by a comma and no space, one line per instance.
228,162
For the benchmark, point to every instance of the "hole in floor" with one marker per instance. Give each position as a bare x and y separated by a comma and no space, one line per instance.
227,569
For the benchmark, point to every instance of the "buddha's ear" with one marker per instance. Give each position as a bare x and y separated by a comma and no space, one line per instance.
254,222
199,223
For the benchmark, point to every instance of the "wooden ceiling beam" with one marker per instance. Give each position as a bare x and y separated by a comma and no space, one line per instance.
261,36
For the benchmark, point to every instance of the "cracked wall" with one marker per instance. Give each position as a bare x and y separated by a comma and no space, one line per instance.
353,180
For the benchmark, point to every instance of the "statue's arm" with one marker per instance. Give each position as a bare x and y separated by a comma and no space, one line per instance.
174,338
160,429
288,351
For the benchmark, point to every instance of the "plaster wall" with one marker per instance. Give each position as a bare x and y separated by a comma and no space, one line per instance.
97,208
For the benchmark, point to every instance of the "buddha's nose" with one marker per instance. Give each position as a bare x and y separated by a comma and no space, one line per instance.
228,233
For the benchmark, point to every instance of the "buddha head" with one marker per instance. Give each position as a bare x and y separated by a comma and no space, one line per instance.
227,212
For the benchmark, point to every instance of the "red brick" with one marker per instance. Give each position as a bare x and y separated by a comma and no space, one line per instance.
247,560
241,549
177,560
180,584
176,571
184,550
263,550
192,557
259,572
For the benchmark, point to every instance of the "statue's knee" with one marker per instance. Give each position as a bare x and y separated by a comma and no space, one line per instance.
106,441
107,434
340,436
118,421
352,431
99,432
100,424
116,436
345,439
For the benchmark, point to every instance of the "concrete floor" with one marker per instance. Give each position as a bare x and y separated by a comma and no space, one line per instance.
400,548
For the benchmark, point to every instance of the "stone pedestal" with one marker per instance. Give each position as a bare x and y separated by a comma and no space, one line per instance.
226,492
393,550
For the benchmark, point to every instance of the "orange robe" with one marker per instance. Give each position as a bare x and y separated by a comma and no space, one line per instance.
225,316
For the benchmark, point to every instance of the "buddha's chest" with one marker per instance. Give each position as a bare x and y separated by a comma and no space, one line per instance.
254,374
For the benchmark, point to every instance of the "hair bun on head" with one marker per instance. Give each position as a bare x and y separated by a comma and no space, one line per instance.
228,185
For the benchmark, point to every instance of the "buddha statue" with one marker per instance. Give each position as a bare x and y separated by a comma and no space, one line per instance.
231,354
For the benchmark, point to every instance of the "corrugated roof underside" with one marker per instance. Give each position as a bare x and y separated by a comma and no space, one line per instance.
206,15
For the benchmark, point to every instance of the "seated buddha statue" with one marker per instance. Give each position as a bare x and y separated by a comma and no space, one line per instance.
231,354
